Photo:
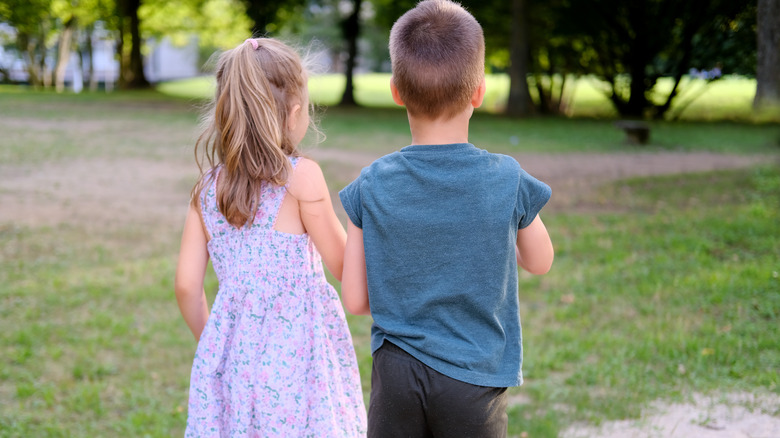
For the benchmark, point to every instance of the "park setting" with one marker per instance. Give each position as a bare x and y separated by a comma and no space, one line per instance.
660,315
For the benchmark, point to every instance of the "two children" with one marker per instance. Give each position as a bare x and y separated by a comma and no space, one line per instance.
436,232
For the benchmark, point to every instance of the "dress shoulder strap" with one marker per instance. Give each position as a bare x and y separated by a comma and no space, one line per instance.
209,211
271,199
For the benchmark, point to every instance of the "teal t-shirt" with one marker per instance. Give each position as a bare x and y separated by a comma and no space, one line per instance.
439,230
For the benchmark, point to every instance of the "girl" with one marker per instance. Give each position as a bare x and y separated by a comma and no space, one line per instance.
275,356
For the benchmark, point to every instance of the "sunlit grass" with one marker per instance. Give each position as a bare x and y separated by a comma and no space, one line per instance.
730,98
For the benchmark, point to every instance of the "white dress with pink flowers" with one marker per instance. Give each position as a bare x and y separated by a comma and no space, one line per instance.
276,357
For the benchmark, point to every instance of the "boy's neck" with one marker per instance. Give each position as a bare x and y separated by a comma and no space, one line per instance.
440,131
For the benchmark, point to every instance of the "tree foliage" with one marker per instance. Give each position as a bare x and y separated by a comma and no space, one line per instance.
268,16
215,23
631,45
33,22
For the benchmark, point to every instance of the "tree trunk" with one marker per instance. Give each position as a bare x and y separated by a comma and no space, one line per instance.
27,47
351,31
90,51
637,61
519,102
63,54
544,98
44,71
137,77
131,68
120,53
768,68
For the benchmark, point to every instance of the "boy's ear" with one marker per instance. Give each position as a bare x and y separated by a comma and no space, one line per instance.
479,94
292,118
394,92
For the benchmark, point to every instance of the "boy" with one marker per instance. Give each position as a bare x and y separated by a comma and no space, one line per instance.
436,233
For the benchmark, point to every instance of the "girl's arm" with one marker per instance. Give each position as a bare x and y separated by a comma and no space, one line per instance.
534,249
193,259
319,219
354,286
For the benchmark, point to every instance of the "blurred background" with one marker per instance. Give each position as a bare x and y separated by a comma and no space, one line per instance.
655,122
647,59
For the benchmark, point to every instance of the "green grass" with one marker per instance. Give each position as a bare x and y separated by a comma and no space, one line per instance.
666,286
679,294
730,98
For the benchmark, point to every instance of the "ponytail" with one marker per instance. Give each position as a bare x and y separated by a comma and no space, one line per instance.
247,132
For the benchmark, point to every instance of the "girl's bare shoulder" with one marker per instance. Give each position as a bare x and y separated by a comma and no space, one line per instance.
307,181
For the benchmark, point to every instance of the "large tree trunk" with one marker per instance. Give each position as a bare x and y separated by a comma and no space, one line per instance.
63,54
768,68
137,77
351,31
131,68
519,102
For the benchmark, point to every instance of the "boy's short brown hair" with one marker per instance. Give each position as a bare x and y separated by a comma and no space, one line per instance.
438,57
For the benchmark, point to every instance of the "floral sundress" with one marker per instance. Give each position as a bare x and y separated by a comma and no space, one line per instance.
276,356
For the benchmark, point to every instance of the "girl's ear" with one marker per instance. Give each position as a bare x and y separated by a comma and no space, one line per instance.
394,92
292,118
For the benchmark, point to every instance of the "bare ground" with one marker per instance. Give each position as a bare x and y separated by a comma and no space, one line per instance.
136,190
739,415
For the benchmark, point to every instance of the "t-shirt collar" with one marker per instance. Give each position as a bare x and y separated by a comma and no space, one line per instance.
452,147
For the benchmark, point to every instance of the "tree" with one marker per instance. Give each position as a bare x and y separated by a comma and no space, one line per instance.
131,62
268,15
70,16
631,45
519,100
217,24
63,52
33,22
350,28
768,67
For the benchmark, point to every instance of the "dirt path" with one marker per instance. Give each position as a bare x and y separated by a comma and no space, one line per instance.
136,190
738,415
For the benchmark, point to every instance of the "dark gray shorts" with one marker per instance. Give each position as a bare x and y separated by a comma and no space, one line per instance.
410,399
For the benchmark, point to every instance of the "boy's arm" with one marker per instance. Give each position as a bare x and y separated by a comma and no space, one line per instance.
354,285
190,271
534,249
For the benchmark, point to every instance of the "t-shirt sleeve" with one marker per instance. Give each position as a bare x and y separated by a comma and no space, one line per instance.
352,202
532,195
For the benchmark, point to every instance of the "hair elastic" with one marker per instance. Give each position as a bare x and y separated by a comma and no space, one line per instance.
253,42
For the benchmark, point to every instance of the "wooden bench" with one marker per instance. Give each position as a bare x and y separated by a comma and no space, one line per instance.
637,132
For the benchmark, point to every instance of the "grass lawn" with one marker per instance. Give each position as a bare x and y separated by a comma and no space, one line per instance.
730,98
671,287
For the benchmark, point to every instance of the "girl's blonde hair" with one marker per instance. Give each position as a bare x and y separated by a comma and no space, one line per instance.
246,132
